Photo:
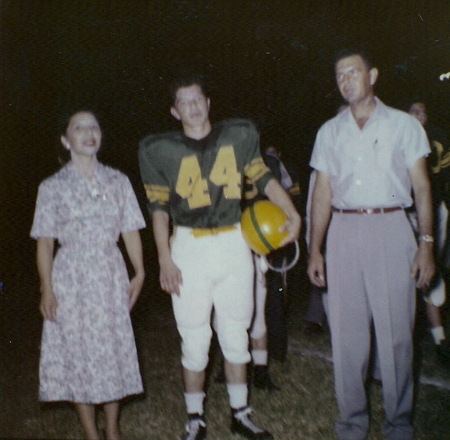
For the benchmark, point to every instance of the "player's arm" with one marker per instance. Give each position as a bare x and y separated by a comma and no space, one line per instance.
319,219
170,275
423,264
157,191
279,197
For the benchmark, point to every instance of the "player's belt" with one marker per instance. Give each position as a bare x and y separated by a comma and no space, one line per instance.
367,210
203,232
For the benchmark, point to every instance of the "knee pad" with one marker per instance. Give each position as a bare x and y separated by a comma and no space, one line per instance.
195,347
233,341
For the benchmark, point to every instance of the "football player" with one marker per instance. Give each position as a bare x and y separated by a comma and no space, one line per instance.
195,178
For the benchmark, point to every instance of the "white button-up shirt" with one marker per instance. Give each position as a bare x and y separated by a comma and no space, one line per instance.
368,168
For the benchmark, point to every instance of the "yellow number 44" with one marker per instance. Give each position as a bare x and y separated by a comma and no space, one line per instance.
191,186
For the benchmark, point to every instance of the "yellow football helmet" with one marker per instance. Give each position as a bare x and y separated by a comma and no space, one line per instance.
260,225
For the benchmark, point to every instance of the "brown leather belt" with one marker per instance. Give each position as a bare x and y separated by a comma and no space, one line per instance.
367,210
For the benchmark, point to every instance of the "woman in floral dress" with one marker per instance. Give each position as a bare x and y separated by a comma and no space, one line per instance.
88,352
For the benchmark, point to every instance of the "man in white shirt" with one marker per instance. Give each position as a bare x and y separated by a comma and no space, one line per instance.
368,159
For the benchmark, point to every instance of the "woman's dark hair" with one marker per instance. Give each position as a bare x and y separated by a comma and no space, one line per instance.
64,121
65,118
414,100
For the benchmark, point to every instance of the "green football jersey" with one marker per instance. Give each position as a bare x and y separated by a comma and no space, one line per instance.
199,183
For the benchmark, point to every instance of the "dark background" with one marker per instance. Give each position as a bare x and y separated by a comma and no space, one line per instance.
267,60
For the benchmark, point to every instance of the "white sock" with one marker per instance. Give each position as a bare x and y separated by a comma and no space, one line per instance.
438,334
259,357
194,402
237,393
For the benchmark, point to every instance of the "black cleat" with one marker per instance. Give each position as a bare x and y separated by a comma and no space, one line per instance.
195,428
242,424
262,380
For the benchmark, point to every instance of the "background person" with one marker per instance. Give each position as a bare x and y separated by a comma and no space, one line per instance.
268,331
276,300
88,352
439,172
259,331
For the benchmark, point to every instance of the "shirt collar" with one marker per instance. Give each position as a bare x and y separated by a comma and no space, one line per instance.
380,111
73,170
381,108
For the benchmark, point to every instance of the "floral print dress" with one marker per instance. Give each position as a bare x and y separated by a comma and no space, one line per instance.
89,354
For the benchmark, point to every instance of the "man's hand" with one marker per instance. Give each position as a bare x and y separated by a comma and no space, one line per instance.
423,264
316,270
423,267
170,277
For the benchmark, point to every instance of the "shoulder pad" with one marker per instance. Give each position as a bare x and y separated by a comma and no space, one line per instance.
238,123
160,139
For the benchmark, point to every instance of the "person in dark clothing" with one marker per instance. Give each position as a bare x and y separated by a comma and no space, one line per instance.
438,164
277,334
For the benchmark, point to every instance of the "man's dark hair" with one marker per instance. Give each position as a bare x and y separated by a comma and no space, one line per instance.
349,52
187,80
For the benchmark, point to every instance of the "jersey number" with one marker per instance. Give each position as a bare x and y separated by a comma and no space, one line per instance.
191,186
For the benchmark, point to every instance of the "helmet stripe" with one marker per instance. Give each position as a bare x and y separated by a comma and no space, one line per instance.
258,230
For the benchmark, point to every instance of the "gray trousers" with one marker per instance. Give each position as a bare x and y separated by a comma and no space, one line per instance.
369,259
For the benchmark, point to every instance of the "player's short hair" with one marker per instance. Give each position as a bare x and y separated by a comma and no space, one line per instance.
187,80
352,51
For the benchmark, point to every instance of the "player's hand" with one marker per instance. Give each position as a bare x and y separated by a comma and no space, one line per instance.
135,288
48,304
423,267
292,226
316,270
170,277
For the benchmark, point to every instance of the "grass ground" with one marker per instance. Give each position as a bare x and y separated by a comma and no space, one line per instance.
304,408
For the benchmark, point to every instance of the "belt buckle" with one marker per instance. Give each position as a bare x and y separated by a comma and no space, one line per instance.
363,211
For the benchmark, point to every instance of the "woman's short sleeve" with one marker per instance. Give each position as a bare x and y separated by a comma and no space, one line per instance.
45,214
131,214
